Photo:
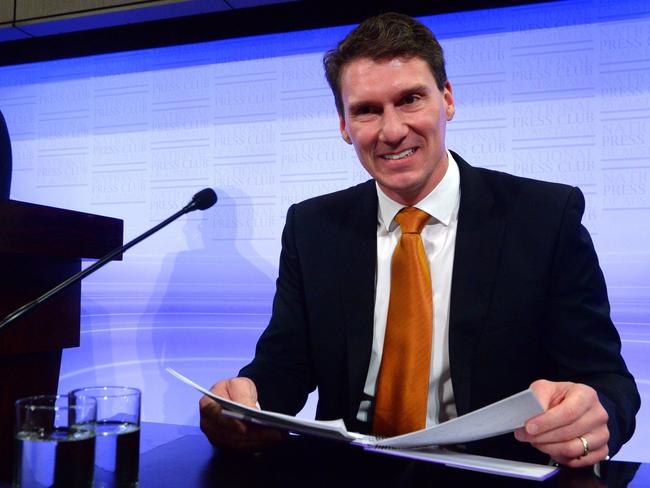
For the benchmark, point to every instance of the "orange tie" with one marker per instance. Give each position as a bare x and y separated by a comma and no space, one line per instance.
403,382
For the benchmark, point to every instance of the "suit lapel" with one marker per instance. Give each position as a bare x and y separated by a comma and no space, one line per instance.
357,251
481,226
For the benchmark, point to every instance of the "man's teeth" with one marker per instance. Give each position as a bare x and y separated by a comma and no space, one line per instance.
401,155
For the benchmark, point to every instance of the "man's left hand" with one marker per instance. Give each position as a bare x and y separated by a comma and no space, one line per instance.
573,414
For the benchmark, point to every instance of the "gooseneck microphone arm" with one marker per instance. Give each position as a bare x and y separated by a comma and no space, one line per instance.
203,200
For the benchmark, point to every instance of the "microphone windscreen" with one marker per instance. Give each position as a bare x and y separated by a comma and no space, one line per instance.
204,199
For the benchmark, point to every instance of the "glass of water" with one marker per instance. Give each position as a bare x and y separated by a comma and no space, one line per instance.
55,442
117,434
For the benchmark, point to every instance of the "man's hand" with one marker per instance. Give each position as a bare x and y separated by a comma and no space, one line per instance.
228,433
573,411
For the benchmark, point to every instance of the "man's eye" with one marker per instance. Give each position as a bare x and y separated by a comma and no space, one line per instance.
409,99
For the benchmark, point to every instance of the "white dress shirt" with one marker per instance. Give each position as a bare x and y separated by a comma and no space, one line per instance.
439,238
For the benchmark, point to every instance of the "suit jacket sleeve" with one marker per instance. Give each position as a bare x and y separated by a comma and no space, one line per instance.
582,342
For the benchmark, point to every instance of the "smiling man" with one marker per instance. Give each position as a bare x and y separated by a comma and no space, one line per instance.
396,117
435,288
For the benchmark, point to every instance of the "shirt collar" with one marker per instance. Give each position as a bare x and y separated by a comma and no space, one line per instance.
440,203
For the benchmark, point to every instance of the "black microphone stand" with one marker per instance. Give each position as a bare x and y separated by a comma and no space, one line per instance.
202,200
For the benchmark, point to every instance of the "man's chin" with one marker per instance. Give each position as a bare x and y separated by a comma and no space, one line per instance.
405,192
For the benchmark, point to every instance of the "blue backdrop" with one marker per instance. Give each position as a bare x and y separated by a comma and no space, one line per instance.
555,91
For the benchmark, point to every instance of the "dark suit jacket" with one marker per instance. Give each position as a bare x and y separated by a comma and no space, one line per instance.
528,301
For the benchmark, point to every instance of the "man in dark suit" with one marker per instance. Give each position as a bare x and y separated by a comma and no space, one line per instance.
518,296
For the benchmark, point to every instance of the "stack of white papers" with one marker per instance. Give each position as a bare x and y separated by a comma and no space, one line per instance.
499,418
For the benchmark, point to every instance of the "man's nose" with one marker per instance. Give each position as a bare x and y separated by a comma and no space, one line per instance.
393,127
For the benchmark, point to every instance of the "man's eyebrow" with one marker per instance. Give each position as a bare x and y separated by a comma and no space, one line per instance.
362,104
414,89
358,106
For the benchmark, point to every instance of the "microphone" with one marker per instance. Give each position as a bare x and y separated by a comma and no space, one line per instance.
203,200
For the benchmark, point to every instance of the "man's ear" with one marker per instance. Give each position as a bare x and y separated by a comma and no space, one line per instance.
344,132
448,97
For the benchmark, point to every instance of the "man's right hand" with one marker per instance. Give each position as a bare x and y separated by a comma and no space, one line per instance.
228,433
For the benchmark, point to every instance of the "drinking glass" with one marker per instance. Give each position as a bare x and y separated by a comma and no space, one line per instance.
117,434
55,442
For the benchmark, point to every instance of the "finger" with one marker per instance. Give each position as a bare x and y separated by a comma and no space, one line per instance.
590,459
236,389
593,419
217,426
226,432
550,393
572,449
207,403
576,402
240,390
232,434
209,411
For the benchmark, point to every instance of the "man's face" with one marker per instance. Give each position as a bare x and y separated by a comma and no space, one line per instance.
395,116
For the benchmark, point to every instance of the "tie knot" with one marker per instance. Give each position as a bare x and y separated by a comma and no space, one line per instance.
411,220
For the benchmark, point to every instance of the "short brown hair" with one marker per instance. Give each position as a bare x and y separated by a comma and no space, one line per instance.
384,36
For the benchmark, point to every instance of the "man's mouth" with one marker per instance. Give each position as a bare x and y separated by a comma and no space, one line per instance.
400,155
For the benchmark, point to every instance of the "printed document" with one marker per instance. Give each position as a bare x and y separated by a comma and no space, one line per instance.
498,418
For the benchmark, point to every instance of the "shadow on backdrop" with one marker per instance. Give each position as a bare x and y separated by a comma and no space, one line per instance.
209,306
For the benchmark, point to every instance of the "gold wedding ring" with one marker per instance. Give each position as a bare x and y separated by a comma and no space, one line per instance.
585,446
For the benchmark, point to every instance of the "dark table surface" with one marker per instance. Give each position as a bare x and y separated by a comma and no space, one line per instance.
174,456
180,456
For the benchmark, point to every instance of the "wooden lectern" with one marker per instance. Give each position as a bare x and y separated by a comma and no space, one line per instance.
39,248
